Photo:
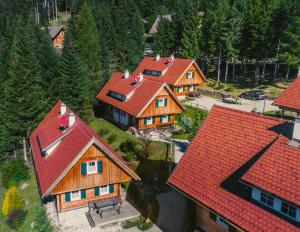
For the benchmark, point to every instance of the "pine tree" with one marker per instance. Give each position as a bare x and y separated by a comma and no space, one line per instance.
42,224
24,98
74,85
165,38
191,37
86,39
12,200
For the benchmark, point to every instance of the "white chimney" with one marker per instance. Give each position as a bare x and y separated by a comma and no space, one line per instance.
63,109
126,74
172,58
296,132
157,57
71,119
141,77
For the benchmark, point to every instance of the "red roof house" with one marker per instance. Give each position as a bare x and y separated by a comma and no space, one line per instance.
182,75
243,171
133,100
290,98
68,155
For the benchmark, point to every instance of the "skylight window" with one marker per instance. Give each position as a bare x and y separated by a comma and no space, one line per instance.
152,72
117,96
267,199
288,209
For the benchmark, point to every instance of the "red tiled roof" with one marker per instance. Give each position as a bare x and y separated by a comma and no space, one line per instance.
76,138
290,98
143,93
174,70
278,171
227,140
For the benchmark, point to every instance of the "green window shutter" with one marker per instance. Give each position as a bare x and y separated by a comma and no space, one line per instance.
166,101
178,89
67,196
83,193
161,117
83,169
156,103
187,75
145,121
99,166
97,191
169,118
111,188
213,216
153,120
193,74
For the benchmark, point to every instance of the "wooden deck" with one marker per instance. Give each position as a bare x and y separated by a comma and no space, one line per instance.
127,212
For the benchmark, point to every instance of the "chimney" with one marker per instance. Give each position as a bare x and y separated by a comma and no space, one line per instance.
296,131
157,57
71,119
126,74
63,109
141,77
172,58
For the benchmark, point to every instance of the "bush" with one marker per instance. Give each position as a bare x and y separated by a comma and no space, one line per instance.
13,172
129,148
103,132
16,218
42,223
112,138
230,89
219,86
13,200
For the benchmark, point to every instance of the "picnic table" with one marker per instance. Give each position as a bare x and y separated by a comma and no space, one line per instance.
110,204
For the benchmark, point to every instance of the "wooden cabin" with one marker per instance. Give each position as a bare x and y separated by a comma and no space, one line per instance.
182,75
57,34
73,164
134,101
237,173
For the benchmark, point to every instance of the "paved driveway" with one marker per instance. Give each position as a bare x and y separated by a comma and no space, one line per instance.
247,105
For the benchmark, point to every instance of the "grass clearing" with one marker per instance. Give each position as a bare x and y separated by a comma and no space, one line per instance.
29,194
237,89
277,114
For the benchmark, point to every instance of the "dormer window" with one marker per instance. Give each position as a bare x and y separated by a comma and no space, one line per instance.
267,199
152,72
117,96
288,209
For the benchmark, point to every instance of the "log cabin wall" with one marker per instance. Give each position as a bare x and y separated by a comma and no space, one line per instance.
206,223
142,125
75,180
63,205
59,39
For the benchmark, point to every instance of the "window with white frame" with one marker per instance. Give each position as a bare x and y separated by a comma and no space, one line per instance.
75,195
191,88
222,222
164,118
180,89
161,102
267,199
288,209
189,75
104,190
149,120
91,167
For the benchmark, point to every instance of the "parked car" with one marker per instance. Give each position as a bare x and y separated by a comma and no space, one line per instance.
254,95
193,95
231,100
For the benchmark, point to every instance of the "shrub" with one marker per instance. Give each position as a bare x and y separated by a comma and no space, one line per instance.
219,86
229,89
42,223
12,200
13,172
16,218
103,132
112,138
128,146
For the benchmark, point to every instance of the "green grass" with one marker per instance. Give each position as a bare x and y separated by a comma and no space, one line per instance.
237,89
277,114
30,193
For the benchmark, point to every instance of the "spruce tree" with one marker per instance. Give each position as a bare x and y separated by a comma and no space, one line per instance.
74,85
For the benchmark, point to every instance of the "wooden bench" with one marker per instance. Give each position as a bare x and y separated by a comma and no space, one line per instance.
104,205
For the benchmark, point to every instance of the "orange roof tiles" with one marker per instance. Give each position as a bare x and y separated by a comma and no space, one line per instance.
227,140
290,98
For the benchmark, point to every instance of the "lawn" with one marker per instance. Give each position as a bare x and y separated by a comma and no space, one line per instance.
237,89
277,114
196,115
34,203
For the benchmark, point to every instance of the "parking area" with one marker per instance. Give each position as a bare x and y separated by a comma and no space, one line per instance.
207,103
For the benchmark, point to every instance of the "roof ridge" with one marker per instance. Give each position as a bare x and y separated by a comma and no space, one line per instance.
251,113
